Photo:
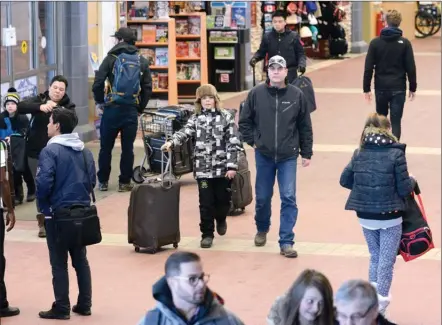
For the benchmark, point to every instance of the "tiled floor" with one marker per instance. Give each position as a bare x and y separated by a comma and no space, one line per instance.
249,278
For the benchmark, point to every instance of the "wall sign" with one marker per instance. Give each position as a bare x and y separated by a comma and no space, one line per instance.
24,47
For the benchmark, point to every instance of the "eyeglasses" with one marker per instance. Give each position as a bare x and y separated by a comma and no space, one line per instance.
194,279
355,317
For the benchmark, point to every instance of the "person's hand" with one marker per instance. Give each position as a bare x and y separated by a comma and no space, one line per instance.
368,97
305,162
8,139
231,174
45,108
10,220
51,103
411,96
167,146
301,70
252,62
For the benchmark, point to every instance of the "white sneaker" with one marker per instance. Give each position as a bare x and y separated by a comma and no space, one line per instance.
383,303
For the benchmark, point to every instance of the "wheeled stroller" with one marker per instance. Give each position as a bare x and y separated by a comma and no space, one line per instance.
156,129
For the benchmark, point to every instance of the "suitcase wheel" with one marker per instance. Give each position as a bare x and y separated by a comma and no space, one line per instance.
137,249
175,245
138,174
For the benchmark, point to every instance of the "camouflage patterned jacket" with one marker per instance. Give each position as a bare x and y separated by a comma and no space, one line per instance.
215,143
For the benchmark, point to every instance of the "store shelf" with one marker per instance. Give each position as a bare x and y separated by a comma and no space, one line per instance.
187,37
149,21
151,44
158,67
160,91
188,82
188,59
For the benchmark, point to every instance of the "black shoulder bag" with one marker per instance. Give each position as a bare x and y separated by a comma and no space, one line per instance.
78,225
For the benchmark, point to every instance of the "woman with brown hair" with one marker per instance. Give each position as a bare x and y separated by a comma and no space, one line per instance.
378,178
308,302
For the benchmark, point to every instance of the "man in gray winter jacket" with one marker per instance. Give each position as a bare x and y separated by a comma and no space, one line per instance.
183,297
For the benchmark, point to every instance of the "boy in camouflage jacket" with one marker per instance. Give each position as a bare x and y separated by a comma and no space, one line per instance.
215,159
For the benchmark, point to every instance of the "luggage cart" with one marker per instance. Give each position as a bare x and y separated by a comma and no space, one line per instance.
153,125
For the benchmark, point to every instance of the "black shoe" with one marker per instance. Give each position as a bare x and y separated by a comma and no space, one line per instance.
81,311
53,313
221,228
30,197
18,200
9,312
103,186
206,242
122,187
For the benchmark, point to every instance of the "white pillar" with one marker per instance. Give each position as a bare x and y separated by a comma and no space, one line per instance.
108,22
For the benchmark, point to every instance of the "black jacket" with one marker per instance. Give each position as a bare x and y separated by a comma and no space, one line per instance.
277,122
37,135
105,72
391,57
19,122
286,44
377,176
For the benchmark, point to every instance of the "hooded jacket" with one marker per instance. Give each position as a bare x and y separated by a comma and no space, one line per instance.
216,140
105,72
211,312
37,135
391,57
377,176
286,44
16,124
61,177
277,121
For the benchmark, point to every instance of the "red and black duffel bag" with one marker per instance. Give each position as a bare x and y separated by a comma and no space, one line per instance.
417,238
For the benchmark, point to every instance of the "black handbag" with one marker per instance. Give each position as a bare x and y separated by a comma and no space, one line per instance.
18,152
78,225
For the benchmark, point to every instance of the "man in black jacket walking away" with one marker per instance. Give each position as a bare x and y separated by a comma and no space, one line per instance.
276,122
129,93
283,42
391,57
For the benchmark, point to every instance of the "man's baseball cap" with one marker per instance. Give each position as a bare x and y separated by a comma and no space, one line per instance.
279,60
126,34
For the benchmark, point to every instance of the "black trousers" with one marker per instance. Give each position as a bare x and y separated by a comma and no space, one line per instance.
394,102
58,256
27,177
214,196
3,299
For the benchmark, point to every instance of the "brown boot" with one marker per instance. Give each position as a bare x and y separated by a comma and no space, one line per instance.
41,225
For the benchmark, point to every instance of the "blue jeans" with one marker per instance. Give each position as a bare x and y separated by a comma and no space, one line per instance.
393,101
58,257
117,119
266,171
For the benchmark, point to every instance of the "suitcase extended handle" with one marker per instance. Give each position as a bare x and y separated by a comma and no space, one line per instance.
167,170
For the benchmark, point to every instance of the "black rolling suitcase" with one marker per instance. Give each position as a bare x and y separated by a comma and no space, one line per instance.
154,213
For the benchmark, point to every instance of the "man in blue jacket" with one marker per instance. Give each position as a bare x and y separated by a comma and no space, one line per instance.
62,181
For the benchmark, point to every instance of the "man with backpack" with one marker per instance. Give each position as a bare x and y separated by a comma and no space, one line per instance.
130,88
284,42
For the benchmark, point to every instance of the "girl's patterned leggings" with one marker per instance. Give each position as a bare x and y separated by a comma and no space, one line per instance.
383,245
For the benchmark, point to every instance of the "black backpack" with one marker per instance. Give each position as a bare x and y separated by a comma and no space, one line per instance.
305,84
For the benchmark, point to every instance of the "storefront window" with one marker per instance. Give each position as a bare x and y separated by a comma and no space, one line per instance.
3,52
45,33
26,87
22,20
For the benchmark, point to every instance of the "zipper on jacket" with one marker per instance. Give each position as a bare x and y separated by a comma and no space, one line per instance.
276,128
